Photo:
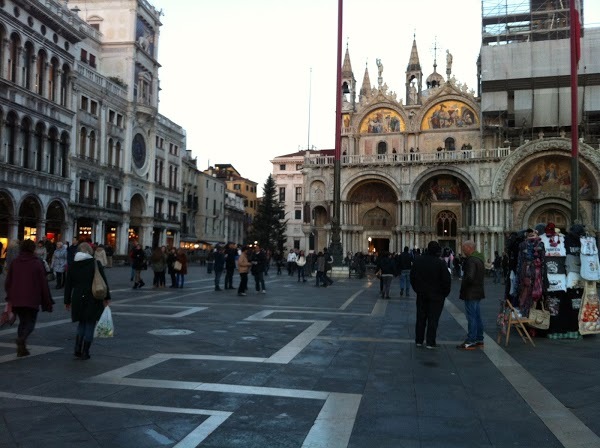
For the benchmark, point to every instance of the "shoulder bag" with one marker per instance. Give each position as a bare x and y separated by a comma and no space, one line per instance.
99,288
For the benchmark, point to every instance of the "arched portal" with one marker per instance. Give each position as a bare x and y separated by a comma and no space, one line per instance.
29,218
55,221
372,210
444,207
7,212
136,213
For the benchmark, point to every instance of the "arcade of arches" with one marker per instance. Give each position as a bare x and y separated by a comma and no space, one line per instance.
443,205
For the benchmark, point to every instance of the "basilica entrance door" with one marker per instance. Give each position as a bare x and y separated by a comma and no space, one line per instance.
379,245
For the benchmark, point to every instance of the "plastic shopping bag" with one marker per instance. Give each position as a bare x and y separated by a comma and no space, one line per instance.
105,327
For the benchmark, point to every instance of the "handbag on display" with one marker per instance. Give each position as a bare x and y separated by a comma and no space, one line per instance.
540,318
99,288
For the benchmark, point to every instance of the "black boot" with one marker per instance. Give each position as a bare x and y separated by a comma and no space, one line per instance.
86,350
78,344
21,348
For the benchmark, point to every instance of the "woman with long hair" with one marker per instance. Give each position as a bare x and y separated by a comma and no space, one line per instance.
85,309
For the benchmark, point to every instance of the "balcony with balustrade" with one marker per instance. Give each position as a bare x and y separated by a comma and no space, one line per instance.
437,157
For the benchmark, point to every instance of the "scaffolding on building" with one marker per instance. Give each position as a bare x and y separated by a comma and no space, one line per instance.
506,21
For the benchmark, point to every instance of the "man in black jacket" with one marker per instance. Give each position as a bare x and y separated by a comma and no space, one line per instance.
431,281
230,258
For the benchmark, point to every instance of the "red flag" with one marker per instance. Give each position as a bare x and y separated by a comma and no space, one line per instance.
576,25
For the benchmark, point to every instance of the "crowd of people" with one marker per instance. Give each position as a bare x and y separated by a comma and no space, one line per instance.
72,266
31,266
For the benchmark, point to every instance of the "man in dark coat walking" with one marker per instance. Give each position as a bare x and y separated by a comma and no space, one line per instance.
430,278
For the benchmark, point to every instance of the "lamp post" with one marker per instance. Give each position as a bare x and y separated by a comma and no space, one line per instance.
335,248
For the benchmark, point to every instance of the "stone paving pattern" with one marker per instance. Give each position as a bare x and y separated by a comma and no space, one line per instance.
297,367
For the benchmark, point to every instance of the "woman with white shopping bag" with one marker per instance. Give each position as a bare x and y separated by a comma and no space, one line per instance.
79,298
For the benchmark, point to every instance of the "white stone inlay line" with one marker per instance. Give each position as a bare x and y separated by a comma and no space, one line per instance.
13,329
333,426
193,439
347,303
296,345
567,428
183,313
35,350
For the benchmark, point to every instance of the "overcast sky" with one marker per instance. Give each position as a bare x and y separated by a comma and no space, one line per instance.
236,74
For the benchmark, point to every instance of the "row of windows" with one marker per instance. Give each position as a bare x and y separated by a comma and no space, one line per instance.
87,58
34,148
173,148
159,206
249,188
34,71
91,107
283,167
297,197
87,194
159,169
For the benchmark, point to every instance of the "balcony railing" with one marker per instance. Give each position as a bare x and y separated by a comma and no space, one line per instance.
414,157
114,206
87,201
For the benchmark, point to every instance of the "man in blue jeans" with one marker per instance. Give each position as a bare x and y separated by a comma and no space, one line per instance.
472,292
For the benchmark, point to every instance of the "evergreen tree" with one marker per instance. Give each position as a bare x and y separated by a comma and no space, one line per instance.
268,226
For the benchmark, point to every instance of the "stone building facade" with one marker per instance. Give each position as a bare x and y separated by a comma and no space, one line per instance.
434,167
83,150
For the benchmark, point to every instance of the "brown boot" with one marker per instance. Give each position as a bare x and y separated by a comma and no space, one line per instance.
21,348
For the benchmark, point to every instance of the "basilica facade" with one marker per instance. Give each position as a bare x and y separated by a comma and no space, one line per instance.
433,167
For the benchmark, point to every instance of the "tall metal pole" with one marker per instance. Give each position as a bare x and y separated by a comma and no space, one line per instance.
575,36
336,241
309,101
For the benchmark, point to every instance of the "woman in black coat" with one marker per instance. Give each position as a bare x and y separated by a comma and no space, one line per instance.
138,262
84,308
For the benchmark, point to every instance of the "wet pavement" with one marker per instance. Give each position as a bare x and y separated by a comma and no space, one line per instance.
298,366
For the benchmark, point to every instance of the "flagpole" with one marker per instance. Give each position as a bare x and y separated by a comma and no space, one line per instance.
575,36
336,240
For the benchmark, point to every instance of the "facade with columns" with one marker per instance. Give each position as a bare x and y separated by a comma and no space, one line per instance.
83,150
433,168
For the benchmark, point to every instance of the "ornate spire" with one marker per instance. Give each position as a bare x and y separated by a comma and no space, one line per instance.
413,63
347,66
366,84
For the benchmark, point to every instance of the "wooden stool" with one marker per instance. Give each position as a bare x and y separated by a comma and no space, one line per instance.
514,320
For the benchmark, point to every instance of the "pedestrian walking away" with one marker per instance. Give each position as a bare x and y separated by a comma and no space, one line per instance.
27,291
431,281
472,292
84,307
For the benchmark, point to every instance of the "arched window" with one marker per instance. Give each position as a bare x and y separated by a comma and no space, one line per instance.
64,84
11,138
40,136
92,151
41,72
28,65
118,155
53,148
82,141
13,54
449,144
109,156
381,148
25,137
64,154
52,79
447,224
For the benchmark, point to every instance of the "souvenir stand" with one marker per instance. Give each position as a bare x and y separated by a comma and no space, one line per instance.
552,282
